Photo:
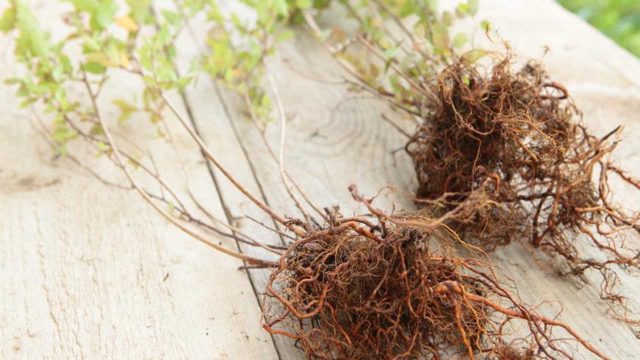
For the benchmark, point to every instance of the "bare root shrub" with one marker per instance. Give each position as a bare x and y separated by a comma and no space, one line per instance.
362,289
505,156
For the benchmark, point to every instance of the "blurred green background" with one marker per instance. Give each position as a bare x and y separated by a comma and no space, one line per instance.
618,19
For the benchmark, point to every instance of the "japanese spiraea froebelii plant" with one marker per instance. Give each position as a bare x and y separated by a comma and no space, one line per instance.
401,275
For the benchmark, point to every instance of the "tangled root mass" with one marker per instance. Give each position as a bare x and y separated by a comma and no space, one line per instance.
505,156
359,290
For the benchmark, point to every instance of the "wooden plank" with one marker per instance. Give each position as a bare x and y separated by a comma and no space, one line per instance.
216,124
334,141
94,273
603,78
217,130
90,271
87,280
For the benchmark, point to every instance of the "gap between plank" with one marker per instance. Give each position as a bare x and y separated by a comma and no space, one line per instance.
225,208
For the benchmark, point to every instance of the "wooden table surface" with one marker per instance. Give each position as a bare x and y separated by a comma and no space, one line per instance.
89,271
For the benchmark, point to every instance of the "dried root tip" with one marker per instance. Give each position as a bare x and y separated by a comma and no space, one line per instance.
358,290
504,156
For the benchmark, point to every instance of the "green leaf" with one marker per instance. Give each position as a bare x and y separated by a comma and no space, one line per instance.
432,5
474,55
284,36
172,17
390,53
281,7
472,7
102,12
105,13
183,81
140,11
66,64
62,133
126,109
303,4
27,102
32,41
462,9
94,68
99,58
96,129
485,25
8,19
459,40
103,148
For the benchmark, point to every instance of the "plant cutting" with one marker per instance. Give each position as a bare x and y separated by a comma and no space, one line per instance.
412,298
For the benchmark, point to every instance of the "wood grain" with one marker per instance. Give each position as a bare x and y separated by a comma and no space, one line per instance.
336,139
89,271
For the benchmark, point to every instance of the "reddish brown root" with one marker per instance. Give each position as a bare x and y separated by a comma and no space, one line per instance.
366,288
505,156
510,353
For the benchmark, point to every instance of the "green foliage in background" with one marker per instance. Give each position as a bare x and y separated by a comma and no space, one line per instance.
618,19
140,39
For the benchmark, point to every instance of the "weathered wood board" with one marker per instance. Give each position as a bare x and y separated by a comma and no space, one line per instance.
88,271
